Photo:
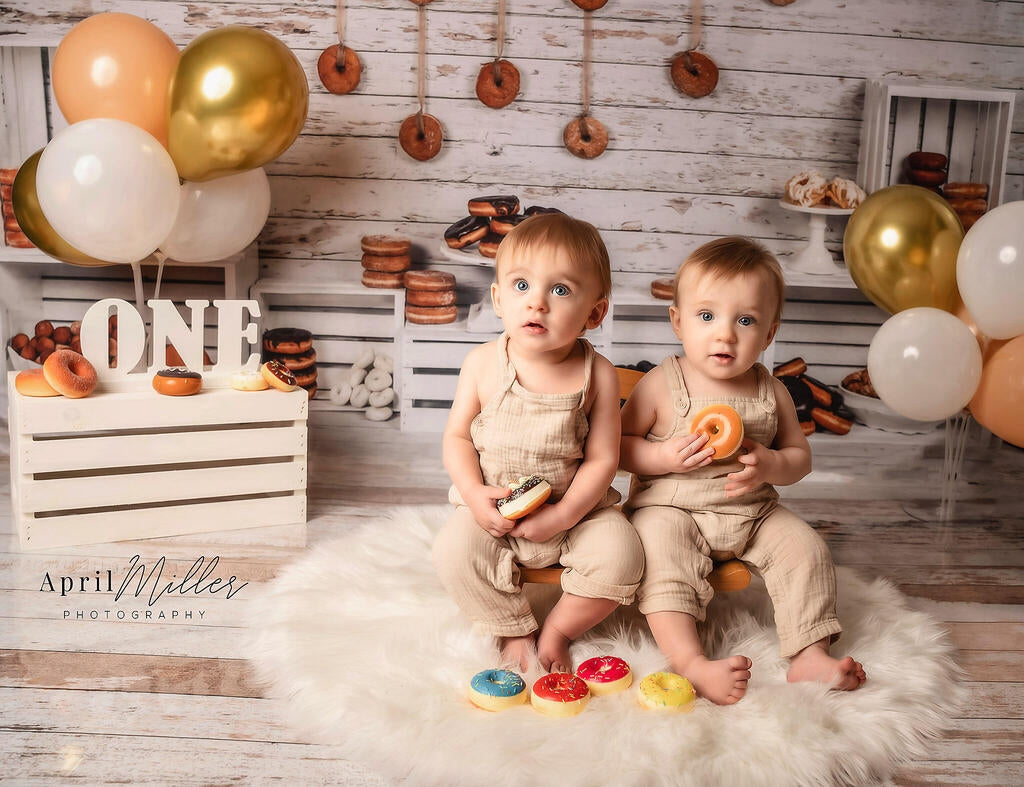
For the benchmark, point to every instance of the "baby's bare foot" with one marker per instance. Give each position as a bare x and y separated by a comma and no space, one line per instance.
814,663
553,650
723,681
516,652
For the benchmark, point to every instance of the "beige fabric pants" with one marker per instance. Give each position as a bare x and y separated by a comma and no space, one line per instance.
793,560
601,554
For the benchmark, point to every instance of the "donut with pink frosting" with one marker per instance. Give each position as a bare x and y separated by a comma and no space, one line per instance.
605,675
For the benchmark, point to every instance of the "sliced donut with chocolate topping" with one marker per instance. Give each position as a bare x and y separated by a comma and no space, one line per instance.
466,231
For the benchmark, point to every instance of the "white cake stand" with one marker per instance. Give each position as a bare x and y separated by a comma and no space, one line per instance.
815,257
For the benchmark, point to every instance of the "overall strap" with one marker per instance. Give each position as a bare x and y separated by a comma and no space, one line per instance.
506,371
765,389
676,386
588,368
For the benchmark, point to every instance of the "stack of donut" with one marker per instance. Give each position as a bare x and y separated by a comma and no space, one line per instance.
369,385
293,347
46,339
968,200
818,406
926,169
13,236
430,297
385,259
490,219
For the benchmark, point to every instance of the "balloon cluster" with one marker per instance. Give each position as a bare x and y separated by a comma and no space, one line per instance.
143,117
956,337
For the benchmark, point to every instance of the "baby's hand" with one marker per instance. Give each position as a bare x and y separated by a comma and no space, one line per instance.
541,525
758,462
481,502
684,453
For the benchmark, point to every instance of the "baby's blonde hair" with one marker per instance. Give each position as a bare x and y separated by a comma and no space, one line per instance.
727,258
580,240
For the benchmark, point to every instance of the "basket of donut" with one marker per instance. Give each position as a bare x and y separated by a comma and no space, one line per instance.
868,409
490,219
930,170
819,407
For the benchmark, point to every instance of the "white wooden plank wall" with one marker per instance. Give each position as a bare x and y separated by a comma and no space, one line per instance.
677,172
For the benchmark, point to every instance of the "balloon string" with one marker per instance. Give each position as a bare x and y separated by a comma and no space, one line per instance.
421,68
160,259
339,26
587,36
501,41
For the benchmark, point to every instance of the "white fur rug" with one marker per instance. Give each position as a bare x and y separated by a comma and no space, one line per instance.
375,658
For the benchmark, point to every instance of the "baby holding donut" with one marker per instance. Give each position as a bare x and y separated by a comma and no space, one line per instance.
539,401
689,508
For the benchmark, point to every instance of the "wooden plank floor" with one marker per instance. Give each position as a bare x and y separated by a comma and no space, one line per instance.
174,701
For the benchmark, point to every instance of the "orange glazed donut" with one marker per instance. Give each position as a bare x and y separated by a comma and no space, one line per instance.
500,92
694,74
32,382
585,137
421,146
177,382
70,374
723,426
339,79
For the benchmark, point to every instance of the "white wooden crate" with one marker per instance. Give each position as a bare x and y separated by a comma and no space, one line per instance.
345,319
127,463
969,126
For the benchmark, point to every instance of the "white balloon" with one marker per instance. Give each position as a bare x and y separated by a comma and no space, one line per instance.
108,188
219,217
924,363
990,271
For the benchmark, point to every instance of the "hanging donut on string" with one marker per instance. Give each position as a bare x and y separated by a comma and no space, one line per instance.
585,136
420,134
694,73
339,67
497,84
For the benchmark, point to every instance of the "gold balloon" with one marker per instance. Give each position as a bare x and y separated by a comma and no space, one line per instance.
34,224
900,248
238,99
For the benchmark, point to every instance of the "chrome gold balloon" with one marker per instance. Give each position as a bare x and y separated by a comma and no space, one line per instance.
900,247
238,99
34,224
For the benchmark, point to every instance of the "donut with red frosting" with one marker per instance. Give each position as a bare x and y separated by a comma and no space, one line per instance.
605,675
559,694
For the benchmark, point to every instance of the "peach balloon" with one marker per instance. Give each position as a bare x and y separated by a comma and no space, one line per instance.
116,66
998,404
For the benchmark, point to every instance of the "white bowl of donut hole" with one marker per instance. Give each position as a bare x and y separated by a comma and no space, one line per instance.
876,414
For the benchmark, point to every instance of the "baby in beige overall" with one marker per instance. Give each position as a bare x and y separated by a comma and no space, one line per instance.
689,510
539,401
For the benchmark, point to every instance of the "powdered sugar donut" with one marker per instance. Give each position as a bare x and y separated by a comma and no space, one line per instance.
807,189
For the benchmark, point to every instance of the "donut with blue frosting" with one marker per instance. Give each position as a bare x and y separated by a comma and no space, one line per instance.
497,689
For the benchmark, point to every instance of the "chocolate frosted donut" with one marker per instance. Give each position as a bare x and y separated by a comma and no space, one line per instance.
501,92
425,146
466,231
287,340
694,74
503,225
585,137
489,243
339,80
534,210
502,205
922,159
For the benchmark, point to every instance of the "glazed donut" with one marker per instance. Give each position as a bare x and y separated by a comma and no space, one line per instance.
585,137
339,79
32,382
971,190
249,380
496,689
807,189
421,146
833,422
605,675
921,159
590,5
70,374
959,204
664,289
694,74
791,368
559,694
305,377
528,494
927,177
466,231
385,245
277,375
502,205
44,328
432,280
287,340
431,315
177,382
667,691
430,297
489,243
724,429
501,92
295,361
383,280
394,264
503,225
845,193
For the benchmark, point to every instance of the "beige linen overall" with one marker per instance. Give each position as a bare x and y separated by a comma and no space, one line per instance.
685,520
521,433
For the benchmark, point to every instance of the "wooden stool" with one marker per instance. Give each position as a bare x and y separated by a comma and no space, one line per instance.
725,577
